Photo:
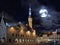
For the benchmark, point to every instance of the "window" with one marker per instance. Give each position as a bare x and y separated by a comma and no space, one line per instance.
16,35
13,34
20,40
3,38
9,40
22,35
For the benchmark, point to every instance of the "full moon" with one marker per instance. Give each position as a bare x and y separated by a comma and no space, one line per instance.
43,12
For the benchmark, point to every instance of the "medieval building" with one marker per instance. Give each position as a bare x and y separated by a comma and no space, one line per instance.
20,33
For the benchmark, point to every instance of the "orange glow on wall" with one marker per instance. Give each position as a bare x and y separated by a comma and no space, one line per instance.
34,33
11,29
28,33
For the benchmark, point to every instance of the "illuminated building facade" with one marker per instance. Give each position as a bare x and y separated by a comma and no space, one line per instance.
53,36
20,33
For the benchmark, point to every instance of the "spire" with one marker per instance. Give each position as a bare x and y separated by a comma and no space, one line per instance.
2,20
30,18
3,26
29,10
2,14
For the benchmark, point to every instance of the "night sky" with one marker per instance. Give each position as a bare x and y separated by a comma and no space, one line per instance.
18,9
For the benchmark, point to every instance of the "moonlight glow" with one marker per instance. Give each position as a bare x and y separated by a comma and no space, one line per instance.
43,15
43,12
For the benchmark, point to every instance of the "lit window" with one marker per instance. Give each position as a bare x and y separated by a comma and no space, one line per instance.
28,40
16,40
23,40
12,34
16,35
20,40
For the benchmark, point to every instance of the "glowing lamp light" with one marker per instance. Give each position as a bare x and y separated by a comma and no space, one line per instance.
11,30
22,31
34,33
28,33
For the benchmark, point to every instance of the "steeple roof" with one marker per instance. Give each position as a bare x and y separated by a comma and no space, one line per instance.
29,10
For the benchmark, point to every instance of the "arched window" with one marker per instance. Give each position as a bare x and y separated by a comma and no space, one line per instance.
16,40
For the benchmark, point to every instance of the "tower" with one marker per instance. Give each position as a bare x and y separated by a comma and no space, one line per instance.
30,18
2,29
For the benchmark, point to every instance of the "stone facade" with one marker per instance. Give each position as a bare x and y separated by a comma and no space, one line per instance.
3,30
